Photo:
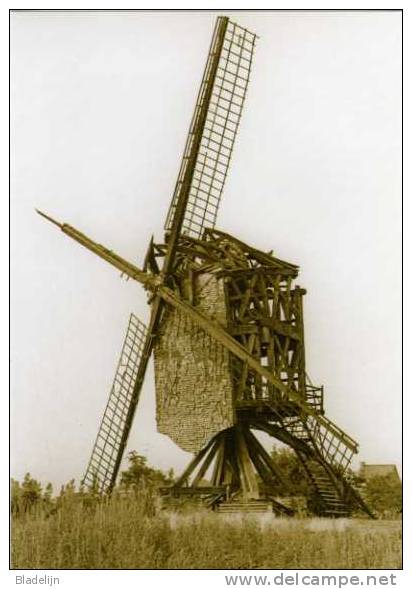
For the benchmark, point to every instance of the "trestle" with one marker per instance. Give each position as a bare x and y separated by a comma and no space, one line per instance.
233,466
235,469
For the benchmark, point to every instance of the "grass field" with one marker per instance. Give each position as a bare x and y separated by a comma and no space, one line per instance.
131,534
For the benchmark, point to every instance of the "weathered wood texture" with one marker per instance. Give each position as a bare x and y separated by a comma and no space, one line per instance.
194,391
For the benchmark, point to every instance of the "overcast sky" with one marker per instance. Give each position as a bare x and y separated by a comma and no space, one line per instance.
101,104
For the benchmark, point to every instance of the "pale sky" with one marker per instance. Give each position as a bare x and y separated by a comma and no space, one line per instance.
101,104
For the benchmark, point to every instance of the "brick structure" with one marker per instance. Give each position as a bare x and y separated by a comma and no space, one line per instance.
194,393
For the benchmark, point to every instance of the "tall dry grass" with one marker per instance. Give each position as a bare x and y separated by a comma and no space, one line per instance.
132,534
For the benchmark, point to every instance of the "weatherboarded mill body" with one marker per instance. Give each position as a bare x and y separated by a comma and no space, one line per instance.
226,331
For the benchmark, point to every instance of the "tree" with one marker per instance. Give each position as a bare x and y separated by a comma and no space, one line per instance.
141,475
384,494
31,492
25,495
48,493
15,497
289,465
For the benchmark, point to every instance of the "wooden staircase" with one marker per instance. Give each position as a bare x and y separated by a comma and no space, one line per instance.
325,452
330,500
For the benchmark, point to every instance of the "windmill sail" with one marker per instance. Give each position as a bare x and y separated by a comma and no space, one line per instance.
102,467
211,137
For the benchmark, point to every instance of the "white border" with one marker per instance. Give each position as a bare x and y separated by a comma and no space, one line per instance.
186,579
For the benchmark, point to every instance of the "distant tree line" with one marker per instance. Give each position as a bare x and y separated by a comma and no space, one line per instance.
29,495
382,494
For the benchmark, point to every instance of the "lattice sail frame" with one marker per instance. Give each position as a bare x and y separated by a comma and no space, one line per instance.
101,467
219,132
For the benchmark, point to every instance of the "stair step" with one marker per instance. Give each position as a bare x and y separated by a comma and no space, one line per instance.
245,507
336,514
330,502
326,488
337,504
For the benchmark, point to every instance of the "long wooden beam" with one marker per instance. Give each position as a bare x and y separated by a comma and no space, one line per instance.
254,443
176,491
196,460
184,182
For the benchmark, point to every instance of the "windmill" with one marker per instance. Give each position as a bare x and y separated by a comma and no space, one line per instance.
226,332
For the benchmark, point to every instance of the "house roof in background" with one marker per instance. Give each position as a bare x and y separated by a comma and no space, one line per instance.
368,471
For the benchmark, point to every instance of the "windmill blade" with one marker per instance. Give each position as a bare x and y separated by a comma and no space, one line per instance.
213,129
111,438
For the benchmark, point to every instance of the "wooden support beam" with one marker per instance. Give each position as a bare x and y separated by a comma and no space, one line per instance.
300,325
194,462
206,490
281,434
228,475
260,256
248,480
206,463
266,458
231,458
150,262
281,327
218,467
265,474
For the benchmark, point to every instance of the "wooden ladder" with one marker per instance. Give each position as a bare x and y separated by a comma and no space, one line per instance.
331,500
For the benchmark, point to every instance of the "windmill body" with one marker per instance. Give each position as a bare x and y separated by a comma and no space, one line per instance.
200,388
226,331
194,388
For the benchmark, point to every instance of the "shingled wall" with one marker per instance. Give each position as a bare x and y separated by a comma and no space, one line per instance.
194,395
